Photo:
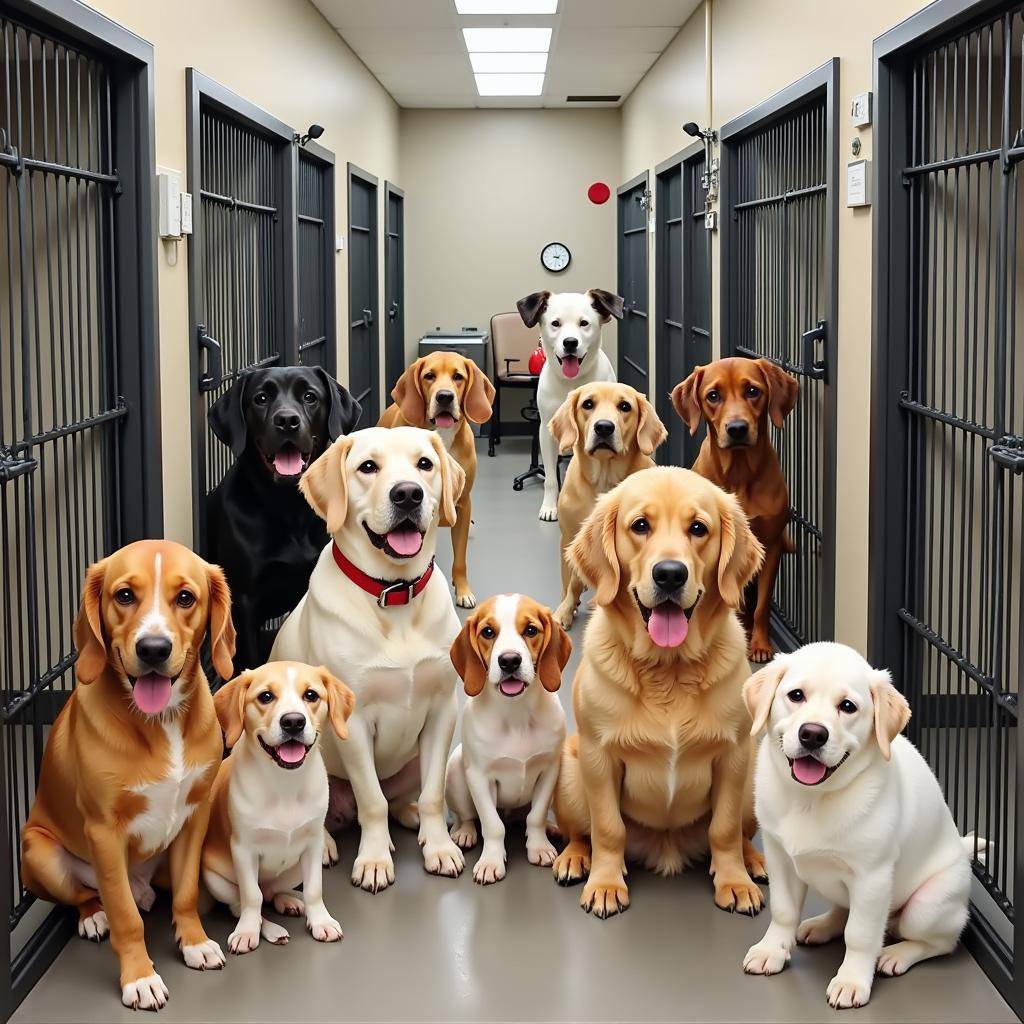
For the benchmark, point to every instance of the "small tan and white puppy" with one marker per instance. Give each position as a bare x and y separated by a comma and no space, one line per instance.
266,831
850,807
512,728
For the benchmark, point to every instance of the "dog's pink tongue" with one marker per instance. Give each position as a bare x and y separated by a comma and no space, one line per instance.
152,693
668,625
444,419
808,770
405,542
511,687
288,463
570,366
291,752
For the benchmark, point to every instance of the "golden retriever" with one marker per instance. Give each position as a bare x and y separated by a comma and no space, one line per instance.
660,770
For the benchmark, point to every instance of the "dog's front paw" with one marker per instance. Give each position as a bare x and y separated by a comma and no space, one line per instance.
443,858
464,834
290,904
373,870
847,991
572,865
760,649
766,958
94,927
244,940
465,598
203,956
605,898
548,513
564,614
541,852
326,930
331,856
490,867
148,993
754,862
738,896
274,933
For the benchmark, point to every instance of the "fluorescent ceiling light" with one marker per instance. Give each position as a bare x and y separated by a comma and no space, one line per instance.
509,85
506,63
506,6
507,40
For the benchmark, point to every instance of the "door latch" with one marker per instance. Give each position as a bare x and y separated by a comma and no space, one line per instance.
813,367
1008,453
211,379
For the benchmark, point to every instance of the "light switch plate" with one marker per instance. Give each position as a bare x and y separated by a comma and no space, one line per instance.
861,110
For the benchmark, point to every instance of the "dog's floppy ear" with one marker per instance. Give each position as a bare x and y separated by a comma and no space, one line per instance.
686,399
221,629
532,307
344,410
563,424
741,552
408,396
340,702
607,304
592,554
92,647
782,391
555,653
892,712
479,394
759,692
227,417
651,431
466,658
453,479
325,486
229,702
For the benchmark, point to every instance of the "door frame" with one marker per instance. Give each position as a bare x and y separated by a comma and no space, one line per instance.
824,80
620,249
326,157
200,89
677,162
357,173
390,189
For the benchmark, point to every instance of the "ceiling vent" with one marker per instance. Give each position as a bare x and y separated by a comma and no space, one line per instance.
592,99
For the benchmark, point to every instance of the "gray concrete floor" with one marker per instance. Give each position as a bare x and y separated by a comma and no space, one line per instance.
431,949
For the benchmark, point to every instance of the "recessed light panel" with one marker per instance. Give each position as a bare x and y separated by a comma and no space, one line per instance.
509,85
506,6
509,63
507,40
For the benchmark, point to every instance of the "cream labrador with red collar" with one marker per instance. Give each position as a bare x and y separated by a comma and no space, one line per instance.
379,616
850,807
512,728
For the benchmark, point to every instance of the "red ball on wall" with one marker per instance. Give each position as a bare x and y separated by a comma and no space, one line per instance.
598,193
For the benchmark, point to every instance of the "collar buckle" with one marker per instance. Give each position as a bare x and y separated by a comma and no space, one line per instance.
401,586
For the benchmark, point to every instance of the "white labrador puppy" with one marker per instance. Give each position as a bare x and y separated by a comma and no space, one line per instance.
849,806
380,617
570,333
512,729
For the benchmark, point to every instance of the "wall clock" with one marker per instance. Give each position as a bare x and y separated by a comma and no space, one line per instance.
555,256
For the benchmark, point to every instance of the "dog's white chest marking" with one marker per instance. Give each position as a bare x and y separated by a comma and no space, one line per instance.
167,806
672,774
283,835
518,757
447,435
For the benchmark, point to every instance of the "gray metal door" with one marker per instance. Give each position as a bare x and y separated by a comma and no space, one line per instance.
947,551
315,258
633,283
682,292
80,467
363,355
780,281
394,285
241,271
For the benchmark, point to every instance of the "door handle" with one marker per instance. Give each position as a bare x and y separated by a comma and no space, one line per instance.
210,380
368,317
393,311
813,367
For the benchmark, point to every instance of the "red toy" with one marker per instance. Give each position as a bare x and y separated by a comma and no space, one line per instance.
537,361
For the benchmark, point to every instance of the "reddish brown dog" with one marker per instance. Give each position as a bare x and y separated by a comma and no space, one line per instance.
737,397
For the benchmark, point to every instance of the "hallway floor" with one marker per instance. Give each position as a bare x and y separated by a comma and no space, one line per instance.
431,949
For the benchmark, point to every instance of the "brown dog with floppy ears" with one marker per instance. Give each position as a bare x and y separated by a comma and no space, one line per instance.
737,397
128,767
446,392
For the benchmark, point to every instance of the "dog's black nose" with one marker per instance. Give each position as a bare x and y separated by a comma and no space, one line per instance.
604,428
570,344
738,429
813,736
509,661
292,724
669,575
153,650
287,421
406,495
445,397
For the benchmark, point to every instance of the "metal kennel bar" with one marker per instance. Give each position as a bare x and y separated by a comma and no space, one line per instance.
315,258
947,553
242,278
79,408
779,296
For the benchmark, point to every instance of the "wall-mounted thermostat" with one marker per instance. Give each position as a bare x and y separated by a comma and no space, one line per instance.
169,188
860,110
858,183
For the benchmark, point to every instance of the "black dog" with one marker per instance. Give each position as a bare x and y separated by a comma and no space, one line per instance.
261,530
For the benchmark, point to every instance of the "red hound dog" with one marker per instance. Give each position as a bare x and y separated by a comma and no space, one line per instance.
128,767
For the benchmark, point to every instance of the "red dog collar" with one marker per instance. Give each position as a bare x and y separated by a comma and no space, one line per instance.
387,594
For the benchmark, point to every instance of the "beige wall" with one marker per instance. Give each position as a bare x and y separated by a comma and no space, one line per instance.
485,190
284,57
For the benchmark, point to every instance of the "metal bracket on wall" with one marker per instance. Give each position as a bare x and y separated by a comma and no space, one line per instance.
813,367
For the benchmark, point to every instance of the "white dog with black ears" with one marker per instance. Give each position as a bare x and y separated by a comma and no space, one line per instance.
570,333
850,807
